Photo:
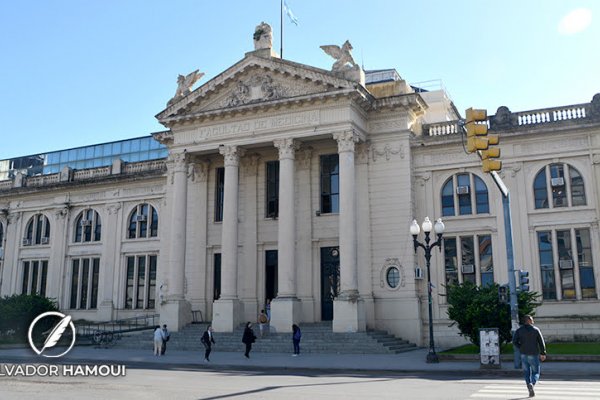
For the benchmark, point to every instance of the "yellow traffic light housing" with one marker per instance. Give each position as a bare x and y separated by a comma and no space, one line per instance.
476,125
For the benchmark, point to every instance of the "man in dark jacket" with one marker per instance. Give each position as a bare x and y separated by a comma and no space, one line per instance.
530,342
207,340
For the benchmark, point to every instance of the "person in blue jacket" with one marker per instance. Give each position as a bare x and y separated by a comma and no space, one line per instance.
296,336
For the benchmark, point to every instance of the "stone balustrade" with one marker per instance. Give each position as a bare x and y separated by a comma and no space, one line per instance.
544,117
82,175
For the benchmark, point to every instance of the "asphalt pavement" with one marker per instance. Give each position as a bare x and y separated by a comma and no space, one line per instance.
408,362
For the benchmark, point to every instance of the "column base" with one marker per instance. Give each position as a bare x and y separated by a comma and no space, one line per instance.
176,314
226,315
284,312
349,315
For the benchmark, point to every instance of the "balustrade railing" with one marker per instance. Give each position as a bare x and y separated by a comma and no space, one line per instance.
42,180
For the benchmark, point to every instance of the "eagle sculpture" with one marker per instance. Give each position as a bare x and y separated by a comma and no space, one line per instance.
185,83
342,55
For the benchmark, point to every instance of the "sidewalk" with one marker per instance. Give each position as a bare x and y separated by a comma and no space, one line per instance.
409,362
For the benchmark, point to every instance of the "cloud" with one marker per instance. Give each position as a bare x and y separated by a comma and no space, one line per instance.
576,21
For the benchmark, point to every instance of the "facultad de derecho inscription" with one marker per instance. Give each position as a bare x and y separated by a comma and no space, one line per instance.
262,124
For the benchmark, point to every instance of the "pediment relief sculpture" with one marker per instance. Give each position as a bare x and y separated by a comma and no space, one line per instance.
256,88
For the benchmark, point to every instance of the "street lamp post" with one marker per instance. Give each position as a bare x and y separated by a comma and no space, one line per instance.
439,230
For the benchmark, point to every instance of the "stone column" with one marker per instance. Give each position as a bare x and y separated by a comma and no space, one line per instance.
108,262
348,308
58,268
285,308
176,312
10,264
248,266
226,312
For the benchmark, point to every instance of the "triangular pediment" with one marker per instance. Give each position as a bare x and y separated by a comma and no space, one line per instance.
255,81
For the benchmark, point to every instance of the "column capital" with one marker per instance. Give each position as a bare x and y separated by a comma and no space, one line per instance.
346,140
232,154
287,148
113,208
177,162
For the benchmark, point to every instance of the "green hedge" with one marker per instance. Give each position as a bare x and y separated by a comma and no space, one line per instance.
17,312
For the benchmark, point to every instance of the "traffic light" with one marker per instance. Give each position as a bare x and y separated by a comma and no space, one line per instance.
503,294
524,280
476,126
487,156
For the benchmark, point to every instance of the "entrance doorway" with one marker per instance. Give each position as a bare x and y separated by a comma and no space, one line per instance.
270,275
330,280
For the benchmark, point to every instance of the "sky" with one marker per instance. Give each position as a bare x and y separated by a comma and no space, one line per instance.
81,72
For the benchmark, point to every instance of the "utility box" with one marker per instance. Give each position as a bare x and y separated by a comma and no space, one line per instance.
489,350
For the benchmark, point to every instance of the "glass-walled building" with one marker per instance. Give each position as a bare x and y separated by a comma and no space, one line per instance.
99,155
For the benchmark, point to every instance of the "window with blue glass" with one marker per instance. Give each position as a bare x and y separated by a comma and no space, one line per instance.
143,222
88,227
469,258
37,231
562,183
330,184
574,259
219,193
463,193
272,186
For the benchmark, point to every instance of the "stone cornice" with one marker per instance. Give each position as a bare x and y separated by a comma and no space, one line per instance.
412,101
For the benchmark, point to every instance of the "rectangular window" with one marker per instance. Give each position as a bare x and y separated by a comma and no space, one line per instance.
586,266
566,264
84,283
35,276
140,289
450,261
217,277
464,199
547,265
272,195
486,264
330,184
559,192
219,192
468,259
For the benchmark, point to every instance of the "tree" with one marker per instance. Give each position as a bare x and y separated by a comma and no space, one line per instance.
18,311
473,307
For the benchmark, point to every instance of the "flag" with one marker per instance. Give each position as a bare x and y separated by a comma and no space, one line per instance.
289,13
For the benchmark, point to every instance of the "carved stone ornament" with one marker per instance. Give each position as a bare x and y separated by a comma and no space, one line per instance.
251,164
184,85
387,151
62,212
389,263
346,140
113,208
287,148
362,153
231,154
198,170
165,138
255,89
177,162
13,217
342,55
263,36
503,119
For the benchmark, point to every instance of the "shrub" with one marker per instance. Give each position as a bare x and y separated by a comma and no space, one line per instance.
18,311
473,307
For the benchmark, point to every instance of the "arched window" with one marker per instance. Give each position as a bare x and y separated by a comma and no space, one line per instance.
88,227
464,193
37,231
560,182
143,222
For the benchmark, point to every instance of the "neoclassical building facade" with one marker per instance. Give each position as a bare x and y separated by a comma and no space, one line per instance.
277,181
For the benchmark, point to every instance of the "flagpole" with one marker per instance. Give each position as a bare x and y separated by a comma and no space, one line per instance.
281,30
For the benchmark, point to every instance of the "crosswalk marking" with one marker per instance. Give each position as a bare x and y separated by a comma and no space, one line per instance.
547,390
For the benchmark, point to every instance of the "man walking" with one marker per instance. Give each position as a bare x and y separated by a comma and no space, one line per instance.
530,342
207,340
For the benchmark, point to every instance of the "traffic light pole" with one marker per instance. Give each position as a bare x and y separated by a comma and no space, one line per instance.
512,286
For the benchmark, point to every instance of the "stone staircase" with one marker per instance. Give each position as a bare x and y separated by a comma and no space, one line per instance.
316,338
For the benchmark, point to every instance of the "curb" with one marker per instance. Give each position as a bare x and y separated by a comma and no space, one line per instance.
509,358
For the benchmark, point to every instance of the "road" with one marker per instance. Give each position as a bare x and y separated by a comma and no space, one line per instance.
175,384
